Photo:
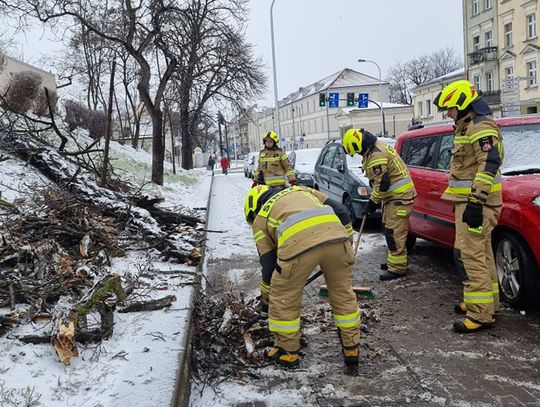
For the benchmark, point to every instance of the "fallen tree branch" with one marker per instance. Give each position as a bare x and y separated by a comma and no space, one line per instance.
150,305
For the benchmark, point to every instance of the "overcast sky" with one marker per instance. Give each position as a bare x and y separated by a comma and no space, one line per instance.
315,38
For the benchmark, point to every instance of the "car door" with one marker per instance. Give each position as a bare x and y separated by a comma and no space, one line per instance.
419,154
323,180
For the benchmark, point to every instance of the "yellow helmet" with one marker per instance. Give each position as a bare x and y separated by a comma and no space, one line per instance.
352,141
458,94
273,136
251,204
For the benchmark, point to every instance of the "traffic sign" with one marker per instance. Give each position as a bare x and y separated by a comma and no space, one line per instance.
333,99
363,100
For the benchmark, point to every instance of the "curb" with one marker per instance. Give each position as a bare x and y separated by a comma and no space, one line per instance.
182,386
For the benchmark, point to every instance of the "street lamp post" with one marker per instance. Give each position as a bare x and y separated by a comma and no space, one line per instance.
383,126
293,130
274,67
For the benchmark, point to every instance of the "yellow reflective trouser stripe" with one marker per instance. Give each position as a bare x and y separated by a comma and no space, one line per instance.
278,181
379,161
348,320
284,326
478,297
495,288
397,259
265,288
305,224
349,231
258,236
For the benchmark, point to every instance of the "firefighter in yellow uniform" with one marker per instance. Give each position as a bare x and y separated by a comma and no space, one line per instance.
392,185
296,229
273,167
475,188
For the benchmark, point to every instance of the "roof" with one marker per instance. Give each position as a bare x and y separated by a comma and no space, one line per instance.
443,78
342,79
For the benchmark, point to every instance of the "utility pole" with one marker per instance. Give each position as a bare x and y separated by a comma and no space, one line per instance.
293,130
219,119
327,116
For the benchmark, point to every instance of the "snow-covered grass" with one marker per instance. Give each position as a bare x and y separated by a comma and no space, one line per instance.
138,365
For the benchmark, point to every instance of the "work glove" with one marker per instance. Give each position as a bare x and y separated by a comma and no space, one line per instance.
254,184
370,208
293,182
472,215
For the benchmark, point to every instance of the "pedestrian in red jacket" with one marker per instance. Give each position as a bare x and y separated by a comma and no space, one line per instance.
224,164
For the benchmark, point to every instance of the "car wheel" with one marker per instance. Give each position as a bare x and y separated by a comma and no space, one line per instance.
409,244
348,204
517,271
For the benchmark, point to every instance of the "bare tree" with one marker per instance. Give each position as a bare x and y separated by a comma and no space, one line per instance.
419,70
216,63
136,26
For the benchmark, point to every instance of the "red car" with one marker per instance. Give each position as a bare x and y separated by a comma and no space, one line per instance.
516,239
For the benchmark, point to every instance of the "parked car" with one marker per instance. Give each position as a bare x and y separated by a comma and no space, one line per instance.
427,152
250,164
303,162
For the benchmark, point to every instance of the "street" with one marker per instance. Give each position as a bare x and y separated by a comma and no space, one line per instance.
409,354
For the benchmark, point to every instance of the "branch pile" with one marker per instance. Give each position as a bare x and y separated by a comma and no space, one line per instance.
56,246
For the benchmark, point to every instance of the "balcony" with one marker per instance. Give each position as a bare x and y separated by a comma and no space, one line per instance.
483,55
492,97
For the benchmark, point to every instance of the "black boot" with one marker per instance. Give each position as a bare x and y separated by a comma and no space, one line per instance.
388,275
384,266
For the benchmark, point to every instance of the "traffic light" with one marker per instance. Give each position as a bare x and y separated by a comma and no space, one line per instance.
322,100
350,99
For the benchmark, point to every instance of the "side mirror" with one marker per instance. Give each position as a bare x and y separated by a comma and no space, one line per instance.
341,168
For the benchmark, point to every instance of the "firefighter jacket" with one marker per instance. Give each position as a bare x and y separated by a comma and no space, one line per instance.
387,174
476,157
273,167
295,220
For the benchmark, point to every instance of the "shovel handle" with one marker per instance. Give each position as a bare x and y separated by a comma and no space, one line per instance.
357,243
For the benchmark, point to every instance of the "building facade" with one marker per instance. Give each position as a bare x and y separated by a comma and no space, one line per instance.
424,95
481,45
304,123
10,66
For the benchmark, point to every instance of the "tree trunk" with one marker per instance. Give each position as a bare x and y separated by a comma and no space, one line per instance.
158,146
187,141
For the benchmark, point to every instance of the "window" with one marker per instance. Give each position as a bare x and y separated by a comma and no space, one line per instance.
531,26
531,73
476,82
445,152
488,38
329,156
475,7
509,72
476,43
419,152
508,35
339,158
420,112
428,107
487,4
489,82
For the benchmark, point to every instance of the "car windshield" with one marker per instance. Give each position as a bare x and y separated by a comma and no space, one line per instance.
521,155
354,163
305,159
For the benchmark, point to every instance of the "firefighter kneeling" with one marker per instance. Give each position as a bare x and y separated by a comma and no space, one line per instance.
296,229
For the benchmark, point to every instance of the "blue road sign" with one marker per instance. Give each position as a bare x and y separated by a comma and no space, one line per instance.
333,99
363,100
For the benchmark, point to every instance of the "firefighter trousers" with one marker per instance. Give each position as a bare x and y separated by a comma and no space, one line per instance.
336,260
474,251
395,222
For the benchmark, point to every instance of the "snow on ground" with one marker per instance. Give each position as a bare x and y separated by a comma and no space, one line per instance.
138,365
230,234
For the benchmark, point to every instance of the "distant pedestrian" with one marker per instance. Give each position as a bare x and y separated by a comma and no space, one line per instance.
211,163
224,164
